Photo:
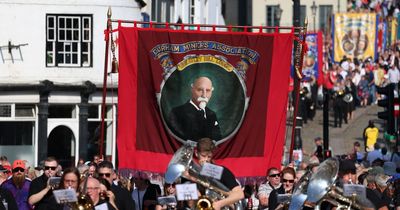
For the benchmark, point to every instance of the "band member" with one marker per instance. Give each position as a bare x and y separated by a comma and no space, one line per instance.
41,191
204,154
194,120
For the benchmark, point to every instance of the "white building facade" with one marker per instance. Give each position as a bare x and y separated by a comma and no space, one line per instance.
51,78
185,11
265,12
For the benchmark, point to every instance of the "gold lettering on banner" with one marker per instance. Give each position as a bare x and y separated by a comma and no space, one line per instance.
205,59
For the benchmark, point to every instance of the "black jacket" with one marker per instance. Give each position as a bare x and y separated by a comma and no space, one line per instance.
123,199
188,123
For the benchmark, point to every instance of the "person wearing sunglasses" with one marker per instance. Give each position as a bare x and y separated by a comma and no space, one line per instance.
40,191
106,193
18,185
288,176
124,201
265,189
170,190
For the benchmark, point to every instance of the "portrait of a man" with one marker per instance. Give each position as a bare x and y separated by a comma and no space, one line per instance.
193,120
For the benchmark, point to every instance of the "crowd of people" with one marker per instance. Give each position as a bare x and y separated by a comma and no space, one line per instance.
24,188
382,7
373,170
96,182
351,84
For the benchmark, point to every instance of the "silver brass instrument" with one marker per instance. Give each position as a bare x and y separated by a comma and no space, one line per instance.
321,188
181,162
84,201
300,192
348,98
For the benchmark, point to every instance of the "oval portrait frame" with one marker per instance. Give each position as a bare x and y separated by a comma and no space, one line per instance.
228,100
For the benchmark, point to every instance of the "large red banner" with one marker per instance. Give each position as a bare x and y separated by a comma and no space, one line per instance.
243,81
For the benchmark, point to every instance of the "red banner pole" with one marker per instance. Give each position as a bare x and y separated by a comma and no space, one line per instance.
103,102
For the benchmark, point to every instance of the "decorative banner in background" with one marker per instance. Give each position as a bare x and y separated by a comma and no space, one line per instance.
398,28
354,35
393,30
312,65
240,80
382,35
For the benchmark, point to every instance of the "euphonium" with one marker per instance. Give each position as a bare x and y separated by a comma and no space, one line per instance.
204,203
321,188
181,162
336,197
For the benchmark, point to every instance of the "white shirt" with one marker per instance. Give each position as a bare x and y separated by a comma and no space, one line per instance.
204,111
394,75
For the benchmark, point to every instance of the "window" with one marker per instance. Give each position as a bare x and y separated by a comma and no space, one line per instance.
62,111
25,110
272,19
16,133
69,40
162,10
192,11
325,13
18,111
5,110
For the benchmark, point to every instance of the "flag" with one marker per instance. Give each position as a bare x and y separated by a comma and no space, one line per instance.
354,35
246,112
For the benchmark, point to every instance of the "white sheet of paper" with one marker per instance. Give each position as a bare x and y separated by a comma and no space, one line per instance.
212,170
101,207
186,192
65,196
357,189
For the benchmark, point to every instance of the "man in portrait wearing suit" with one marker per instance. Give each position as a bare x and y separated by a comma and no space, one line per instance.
194,120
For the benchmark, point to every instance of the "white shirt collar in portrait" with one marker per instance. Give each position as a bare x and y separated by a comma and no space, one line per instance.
204,111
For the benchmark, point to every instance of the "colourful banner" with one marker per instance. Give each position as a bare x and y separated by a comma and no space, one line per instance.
176,86
312,65
393,30
354,35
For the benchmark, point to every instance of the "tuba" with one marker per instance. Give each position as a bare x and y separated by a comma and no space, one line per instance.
321,188
182,162
300,192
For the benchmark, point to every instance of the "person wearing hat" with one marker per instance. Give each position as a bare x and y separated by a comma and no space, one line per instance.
18,185
3,174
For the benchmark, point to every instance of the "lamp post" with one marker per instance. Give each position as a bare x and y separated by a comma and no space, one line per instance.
278,15
314,12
